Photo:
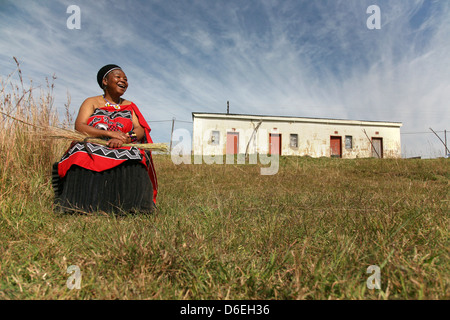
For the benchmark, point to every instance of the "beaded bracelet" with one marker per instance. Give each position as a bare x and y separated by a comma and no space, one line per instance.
133,136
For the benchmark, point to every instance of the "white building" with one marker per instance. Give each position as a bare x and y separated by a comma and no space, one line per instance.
223,133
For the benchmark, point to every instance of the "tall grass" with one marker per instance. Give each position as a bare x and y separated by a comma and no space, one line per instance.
224,231
24,154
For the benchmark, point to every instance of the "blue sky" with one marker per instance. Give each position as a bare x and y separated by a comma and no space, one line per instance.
306,58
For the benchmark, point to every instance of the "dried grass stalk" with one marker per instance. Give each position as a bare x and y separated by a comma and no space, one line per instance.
73,135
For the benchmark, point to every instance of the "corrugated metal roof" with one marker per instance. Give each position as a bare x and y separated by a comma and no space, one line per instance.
295,119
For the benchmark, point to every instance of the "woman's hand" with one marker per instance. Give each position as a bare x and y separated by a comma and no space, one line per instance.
117,139
115,143
119,135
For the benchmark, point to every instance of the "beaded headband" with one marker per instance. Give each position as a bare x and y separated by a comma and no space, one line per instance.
104,71
118,68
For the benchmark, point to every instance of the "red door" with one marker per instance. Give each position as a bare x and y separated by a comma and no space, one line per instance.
232,142
275,143
336,147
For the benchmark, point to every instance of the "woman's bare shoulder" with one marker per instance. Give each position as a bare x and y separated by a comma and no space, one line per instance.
96,100
126,102
92,103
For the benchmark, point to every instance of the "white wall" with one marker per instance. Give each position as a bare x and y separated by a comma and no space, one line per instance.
313,136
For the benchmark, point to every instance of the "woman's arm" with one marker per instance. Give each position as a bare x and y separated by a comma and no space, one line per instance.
117,138
140,132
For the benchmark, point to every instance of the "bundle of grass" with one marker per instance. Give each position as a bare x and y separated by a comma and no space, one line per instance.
52,132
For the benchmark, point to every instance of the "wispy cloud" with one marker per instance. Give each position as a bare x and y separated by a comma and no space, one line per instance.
300,58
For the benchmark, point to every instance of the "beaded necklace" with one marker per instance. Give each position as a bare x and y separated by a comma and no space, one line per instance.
110,104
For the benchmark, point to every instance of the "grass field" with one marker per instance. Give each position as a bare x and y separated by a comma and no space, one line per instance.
225,231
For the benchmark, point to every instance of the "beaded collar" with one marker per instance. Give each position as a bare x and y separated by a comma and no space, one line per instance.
110,104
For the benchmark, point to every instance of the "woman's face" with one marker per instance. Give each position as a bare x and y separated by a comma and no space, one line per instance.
116,82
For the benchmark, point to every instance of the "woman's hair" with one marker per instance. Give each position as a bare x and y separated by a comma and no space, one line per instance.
103,72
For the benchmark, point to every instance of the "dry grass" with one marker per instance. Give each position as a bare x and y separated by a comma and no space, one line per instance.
52,132
224,231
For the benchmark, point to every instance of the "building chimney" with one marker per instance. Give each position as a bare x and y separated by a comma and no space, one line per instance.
228,107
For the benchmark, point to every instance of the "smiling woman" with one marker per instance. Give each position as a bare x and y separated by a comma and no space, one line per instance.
91,177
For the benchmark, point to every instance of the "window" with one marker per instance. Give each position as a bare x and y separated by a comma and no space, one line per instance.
348,142
293,140
215,137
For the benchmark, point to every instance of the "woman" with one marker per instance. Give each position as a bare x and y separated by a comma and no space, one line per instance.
91,177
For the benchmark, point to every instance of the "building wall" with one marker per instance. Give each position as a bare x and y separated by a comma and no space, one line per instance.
314,136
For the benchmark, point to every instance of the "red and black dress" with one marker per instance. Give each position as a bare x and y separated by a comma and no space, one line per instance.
92,177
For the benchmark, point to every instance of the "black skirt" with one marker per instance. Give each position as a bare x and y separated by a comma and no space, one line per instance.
124,189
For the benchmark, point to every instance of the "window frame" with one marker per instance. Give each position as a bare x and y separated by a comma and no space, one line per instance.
215,137
291,135
346,140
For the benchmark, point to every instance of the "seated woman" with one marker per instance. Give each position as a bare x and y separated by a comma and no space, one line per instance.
91,177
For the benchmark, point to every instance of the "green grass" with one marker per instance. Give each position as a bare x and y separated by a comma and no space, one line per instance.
226,232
